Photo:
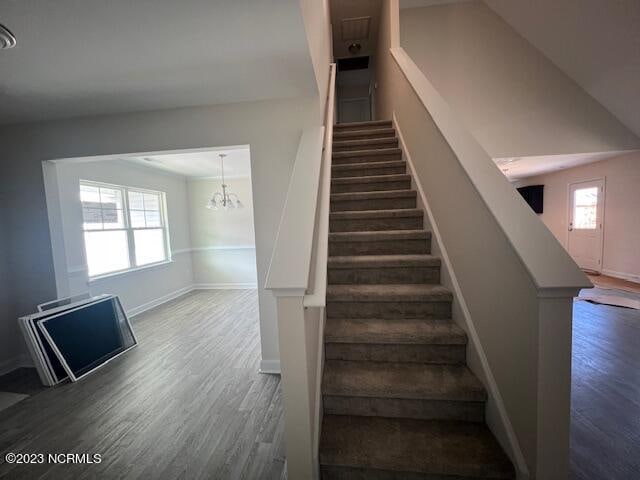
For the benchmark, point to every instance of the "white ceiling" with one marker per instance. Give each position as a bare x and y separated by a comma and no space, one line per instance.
76,58
204,164
595,42
521,167
343,9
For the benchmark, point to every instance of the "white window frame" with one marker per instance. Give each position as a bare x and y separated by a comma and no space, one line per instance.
124,189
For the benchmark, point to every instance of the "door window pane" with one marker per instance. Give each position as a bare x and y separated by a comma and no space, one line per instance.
585,208
107,251
149,246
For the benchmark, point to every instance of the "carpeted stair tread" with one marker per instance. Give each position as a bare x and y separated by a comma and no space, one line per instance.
367,152
401,380
432,447
377,132
387,213
381,261
388,293
382,235
369,124
367,144
371,179
387,194
364,165
394,331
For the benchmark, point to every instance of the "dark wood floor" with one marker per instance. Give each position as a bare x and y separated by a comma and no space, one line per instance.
605,418
198,409
187,403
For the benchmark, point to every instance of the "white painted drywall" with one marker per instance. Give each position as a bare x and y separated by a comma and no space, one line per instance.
499,255
621,254
513,99
95,58
10,344
271,128
142,287
316,19
596,43
223,241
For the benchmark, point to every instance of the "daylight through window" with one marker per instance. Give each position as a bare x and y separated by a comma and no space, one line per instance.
124,227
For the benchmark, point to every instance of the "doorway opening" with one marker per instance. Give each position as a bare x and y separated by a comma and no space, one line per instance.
150,227
586,224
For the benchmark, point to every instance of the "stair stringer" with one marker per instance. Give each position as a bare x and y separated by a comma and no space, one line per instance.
496,415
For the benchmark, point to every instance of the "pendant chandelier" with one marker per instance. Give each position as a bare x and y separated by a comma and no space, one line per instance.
224,199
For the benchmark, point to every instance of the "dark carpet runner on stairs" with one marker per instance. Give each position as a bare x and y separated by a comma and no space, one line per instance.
399,401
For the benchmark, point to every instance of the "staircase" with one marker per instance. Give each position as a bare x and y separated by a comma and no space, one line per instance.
399,401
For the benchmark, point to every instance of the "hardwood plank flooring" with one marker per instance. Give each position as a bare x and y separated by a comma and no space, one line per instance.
188,402
605,406
603,281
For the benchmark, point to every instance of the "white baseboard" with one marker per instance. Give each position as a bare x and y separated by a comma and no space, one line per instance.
266,366
622,275
224,286
11,364
270,366
159,301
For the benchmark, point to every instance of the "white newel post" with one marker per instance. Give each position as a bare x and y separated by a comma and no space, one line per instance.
554,383
294,358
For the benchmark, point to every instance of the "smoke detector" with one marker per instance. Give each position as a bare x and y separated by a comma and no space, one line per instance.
7,39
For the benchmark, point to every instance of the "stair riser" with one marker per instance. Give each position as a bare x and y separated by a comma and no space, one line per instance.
332,472
349,127
387,157
403,408
368,352
375,224
383,275
368,171
373,204
355,309
393,247
370,187
363,135
391,143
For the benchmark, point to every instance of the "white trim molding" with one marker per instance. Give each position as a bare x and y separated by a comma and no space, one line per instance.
225,286
212,248
270,366
11,364
631,277
159,301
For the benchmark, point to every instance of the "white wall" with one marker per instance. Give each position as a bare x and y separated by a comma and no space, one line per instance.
513,99
9,346
271,128
222,241
138,289
621,252
596,43
317,24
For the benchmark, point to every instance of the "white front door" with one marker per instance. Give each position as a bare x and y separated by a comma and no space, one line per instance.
586,223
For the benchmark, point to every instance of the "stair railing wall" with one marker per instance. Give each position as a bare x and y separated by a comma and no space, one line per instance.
515,282
298,278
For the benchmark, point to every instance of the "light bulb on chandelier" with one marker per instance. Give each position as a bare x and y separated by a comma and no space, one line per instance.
224,199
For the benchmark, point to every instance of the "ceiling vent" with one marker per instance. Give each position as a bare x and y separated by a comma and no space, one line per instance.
7,40
356,28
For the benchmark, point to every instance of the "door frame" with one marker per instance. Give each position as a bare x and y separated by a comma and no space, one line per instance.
568,215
